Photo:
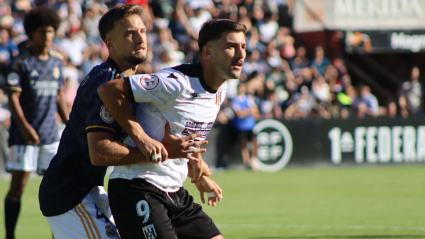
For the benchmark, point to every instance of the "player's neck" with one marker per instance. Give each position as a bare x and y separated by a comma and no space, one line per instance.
126,68
41,52
211,78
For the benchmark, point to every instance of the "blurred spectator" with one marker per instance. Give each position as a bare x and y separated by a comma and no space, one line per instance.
91,59
254,63
69,8
243,123
300,62
253,43
70,91
269,107
268,28
390,109
90,22
320,62
410,95
365,102
74,46
285,42
8,50
5,9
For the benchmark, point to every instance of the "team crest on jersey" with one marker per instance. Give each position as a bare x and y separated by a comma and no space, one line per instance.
110,232
149,231
218,99
149,82
13,78
105,115
56,72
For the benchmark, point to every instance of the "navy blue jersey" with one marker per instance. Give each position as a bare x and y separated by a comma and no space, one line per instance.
38,82
71,175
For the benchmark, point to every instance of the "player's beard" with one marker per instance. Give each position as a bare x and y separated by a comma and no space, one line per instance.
136,59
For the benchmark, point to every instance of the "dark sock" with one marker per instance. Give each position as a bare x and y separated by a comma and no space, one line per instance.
12,206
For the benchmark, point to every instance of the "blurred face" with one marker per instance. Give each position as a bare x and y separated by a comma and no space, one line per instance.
229,53
319,52
4,37
43,37
128,40
415,73
301,52
242,89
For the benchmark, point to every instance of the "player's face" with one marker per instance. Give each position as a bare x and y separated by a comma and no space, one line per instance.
129,39
43,37
229,54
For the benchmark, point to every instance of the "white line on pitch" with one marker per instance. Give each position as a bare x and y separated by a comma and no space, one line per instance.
322,226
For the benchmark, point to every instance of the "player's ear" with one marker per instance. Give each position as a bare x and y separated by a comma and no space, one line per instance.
206,52
109,44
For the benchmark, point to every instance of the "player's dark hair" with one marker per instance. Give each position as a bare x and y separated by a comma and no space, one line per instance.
213,29
107,22
42,16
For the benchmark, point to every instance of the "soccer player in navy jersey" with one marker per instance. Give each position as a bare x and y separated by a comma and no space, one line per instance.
71,193
34,88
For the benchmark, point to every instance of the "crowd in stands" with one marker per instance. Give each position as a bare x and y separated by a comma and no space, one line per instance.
279,77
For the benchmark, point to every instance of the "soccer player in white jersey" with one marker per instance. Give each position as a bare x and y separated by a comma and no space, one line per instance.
148,200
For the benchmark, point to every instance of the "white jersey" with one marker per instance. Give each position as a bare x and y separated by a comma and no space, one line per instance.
180,96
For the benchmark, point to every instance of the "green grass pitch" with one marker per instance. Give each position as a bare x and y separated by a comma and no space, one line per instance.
360,202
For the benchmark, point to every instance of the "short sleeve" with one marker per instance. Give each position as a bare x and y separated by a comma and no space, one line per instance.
98,116
156,88
14,77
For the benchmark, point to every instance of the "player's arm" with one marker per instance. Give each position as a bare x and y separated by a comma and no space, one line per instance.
197,167
61,103
115,96
28,132
104,151
214,192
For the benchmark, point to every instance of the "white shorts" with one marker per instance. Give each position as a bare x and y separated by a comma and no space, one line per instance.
31,158
90,219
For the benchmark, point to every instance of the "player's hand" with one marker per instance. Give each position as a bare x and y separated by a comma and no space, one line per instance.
30,135
182,147
207,185
153,150
198,168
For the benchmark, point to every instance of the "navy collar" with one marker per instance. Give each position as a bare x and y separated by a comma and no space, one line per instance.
118,73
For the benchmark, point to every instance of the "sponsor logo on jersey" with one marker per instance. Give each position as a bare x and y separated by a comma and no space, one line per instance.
13,78
56,73
149,82
197,127
34,73
149,231
105,115
274,145
110,232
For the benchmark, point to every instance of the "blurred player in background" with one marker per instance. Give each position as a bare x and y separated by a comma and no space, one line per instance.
34,88
148,200
71,194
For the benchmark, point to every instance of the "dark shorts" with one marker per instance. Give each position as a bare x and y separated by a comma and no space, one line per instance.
241,135
141,210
